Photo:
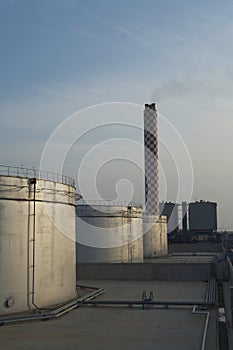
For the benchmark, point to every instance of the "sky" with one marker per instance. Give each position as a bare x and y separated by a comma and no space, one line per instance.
59,57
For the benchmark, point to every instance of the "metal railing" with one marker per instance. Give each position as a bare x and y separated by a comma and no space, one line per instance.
108,203
8,170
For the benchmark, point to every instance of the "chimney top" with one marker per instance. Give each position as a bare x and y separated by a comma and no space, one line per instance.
150,106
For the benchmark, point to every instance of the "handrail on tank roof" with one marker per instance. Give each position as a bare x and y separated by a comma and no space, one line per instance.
108,203
8,170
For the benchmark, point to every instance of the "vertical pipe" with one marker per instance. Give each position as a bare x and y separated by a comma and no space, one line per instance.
130,235
33,240
184,216
28,245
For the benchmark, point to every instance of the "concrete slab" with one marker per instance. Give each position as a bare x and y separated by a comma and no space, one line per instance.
98,328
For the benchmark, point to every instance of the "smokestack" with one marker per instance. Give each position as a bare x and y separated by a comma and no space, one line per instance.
151,159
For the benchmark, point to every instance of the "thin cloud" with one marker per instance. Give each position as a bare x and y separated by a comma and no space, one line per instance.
214,88
132,36
91,35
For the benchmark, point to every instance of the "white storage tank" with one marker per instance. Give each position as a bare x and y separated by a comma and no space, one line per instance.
155,236
109,233
37,240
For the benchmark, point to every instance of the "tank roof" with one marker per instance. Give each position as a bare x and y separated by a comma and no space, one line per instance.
8,170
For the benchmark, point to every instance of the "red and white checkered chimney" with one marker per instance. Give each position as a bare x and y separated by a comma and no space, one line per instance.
151,160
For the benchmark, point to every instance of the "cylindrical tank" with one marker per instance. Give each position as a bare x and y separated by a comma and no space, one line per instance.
203,216
155,236
109,233
37,243
170,210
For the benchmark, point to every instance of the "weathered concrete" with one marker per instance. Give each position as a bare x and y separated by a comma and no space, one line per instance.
155,236
37,243
147,271
109,234
97,328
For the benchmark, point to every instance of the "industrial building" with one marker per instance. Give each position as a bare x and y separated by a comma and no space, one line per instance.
191,221
145,293
202,219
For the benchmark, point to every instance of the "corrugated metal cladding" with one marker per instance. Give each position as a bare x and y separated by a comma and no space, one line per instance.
203,216
37,244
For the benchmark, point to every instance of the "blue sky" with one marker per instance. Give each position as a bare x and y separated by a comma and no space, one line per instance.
58,57
44,43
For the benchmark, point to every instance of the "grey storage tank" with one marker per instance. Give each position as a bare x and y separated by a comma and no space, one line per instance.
37,240
109,233
203,216
170,210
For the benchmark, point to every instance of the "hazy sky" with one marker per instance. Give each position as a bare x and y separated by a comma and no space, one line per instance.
60,56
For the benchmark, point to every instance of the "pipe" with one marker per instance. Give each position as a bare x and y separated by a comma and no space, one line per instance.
43,316
209,299
136,302
184,216
210,292
60,311
207,314
33,181
82,286
90,296
28,247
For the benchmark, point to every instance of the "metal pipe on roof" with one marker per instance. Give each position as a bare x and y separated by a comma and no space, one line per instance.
60,311
137,302
203,342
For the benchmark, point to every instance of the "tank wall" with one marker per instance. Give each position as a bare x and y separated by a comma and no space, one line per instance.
55,263
124,254
170,210
124,224
13,255
163,231
203,216
50,259
155,236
